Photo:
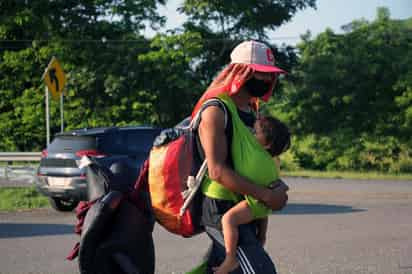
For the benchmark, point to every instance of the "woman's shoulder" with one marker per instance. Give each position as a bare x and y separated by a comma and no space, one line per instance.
214,114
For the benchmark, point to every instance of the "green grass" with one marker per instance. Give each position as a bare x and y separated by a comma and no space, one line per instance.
347,175
18,198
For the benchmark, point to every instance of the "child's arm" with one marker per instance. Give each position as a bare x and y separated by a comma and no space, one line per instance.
237,215
262,228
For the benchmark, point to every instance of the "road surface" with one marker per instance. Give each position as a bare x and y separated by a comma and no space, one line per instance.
328,227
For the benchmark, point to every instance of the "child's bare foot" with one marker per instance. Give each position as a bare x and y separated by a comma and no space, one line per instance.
229,264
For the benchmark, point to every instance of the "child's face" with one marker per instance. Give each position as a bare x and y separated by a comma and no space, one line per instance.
265,128
260,136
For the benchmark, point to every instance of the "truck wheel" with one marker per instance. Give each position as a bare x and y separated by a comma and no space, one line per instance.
63,205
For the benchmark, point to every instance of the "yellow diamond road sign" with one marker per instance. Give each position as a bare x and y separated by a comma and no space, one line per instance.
54,78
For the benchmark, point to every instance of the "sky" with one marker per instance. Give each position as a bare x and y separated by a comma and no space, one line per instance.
329,13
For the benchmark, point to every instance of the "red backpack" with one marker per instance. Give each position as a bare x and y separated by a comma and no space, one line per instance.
175,174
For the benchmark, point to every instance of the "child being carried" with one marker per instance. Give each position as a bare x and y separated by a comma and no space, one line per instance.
274,136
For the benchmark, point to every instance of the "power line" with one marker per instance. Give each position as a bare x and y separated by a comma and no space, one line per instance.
103,40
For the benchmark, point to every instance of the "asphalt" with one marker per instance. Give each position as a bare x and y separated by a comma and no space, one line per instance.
328,227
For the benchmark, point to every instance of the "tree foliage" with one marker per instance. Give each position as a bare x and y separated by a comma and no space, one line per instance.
242,18
224,24
100,73
355,85
347,97
116,76
169,75
356,79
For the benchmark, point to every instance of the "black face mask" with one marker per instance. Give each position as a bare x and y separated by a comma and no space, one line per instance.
257,88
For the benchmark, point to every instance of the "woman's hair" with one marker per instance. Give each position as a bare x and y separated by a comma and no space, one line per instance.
229,81
277,134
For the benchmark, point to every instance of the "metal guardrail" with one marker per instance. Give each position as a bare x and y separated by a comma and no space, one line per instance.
10,157
19,156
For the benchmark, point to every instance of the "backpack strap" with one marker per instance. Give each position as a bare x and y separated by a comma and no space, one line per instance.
211,102
194,182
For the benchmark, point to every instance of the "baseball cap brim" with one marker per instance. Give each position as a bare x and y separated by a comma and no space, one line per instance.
266,68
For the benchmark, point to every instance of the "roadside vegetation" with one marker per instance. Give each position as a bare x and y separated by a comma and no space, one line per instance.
21,198
347,175
347,96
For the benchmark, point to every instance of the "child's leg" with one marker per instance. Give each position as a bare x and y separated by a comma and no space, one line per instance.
237,215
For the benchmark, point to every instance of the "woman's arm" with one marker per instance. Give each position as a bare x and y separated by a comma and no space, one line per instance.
214,143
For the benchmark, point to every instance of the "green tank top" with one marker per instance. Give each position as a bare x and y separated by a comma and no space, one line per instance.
250,160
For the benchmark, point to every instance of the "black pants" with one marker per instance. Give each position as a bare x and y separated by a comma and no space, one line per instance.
250,253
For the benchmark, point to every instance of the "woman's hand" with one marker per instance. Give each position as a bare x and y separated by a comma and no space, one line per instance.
277,197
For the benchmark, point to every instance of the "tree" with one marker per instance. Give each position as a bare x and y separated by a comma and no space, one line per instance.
234,19
351,79
224,24
356,85
23,21
181,63
96,41
169,76
116,76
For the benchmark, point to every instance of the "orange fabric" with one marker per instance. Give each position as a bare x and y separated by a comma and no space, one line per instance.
229,81
156,187
168,171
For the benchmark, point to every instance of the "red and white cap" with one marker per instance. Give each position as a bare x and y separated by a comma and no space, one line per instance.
256,55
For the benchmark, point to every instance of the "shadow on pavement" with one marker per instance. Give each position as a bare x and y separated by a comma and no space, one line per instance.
296,209
15,230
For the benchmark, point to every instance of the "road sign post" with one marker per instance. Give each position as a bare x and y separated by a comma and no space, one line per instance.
61,113
46,96
55,80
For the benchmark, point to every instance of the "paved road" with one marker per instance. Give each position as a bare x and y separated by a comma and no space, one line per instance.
329,227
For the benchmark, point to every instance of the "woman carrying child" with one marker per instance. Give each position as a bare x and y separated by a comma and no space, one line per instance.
239,167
